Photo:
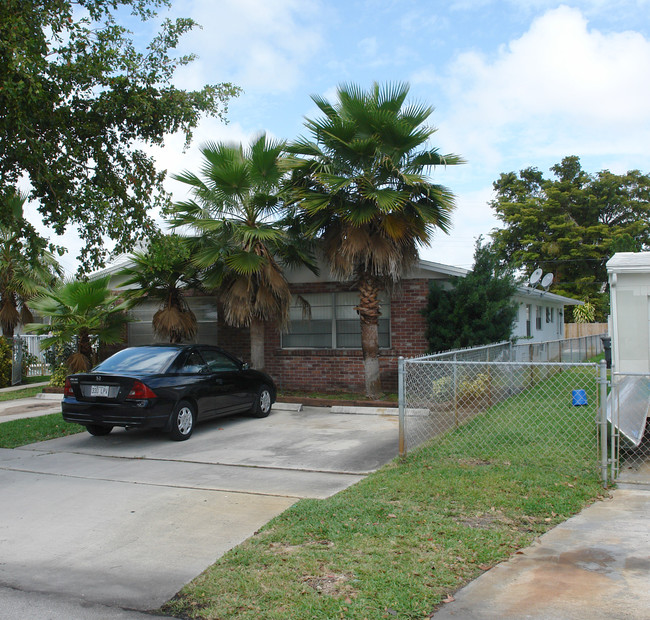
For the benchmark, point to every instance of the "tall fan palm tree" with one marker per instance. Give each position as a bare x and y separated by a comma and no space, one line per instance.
242,243
81,311
21,271
360,185
161,274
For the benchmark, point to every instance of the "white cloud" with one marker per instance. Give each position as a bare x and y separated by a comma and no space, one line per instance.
557,86
257,44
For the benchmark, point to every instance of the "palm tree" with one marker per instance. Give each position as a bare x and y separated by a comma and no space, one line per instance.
22,268
162,274
242,245
81,311
359,184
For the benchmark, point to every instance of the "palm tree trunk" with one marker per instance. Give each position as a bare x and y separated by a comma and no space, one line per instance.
369,314
257,344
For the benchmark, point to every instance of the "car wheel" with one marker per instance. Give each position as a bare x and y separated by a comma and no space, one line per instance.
262,405
182,421
98,430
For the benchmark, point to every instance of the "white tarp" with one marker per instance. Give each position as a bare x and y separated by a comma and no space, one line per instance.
628,406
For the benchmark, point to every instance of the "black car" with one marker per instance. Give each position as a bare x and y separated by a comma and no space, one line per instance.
165,386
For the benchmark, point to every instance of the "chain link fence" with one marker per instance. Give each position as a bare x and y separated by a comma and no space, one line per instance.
627,411
543,412
566,350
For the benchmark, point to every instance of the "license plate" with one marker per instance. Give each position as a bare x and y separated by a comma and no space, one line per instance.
99,390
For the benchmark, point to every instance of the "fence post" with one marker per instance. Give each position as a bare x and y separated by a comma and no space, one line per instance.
602,380
402,407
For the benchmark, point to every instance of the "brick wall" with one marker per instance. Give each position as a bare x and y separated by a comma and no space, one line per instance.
331,370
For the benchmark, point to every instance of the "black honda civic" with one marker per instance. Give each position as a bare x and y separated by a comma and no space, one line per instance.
165,386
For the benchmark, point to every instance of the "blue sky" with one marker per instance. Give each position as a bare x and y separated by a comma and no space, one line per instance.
513,83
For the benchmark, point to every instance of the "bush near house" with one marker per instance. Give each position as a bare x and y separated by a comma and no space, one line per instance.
6,355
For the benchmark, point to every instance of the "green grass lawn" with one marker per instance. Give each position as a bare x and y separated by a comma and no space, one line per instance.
400,541
30,430
28,392
37,379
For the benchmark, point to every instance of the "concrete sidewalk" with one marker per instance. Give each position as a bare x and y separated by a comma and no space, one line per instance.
594,566
42,404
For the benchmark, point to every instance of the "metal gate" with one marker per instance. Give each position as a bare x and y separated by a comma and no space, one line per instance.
17,361
628,409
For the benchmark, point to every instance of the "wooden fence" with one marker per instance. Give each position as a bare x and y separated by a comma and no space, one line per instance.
579,330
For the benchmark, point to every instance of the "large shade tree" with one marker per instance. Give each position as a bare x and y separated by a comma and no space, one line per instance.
25,265
81,311
81,103
162,274
360,183
243,243
571,224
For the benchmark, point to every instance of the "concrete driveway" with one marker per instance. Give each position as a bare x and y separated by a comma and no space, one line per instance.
127,519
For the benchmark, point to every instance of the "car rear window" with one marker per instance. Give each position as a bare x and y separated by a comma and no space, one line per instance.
139,360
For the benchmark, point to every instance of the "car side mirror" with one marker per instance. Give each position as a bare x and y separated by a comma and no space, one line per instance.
245,366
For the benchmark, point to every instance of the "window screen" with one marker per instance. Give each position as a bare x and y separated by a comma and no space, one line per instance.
329,320
310,318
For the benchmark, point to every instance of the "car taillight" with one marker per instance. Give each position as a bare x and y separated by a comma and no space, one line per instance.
67,390
140,391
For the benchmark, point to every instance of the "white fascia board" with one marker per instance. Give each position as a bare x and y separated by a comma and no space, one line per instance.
527,291
629,262
445,270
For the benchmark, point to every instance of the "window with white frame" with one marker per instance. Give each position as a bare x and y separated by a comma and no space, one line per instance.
330,321
538,318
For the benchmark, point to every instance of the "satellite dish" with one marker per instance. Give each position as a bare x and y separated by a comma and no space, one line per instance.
547,280
535,277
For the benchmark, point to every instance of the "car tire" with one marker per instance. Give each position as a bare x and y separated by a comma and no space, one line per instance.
263,401
182,422
99,430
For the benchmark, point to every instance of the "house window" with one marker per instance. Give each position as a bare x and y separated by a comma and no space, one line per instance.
550,315
330,321
538,318
529,332
140,330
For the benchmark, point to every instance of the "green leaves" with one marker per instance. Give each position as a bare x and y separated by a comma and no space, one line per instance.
477,310
77,102
362,171
570,225
240,243
81,311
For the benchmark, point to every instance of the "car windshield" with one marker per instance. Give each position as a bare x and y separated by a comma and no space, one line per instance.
139,360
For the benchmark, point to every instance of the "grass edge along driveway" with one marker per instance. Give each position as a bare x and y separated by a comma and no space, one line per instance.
403,540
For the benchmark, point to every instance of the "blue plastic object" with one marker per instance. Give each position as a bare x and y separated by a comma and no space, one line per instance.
579,397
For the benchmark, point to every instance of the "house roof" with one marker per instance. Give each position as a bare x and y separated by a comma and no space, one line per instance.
522,291
629,262
535,293
422,269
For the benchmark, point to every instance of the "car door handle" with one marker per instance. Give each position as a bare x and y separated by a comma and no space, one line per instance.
218,381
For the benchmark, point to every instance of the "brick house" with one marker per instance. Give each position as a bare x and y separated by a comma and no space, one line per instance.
321,350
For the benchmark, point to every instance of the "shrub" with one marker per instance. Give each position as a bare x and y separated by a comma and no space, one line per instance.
6,357
58,376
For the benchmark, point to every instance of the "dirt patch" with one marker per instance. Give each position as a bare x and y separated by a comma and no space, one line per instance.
329,585
485,520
